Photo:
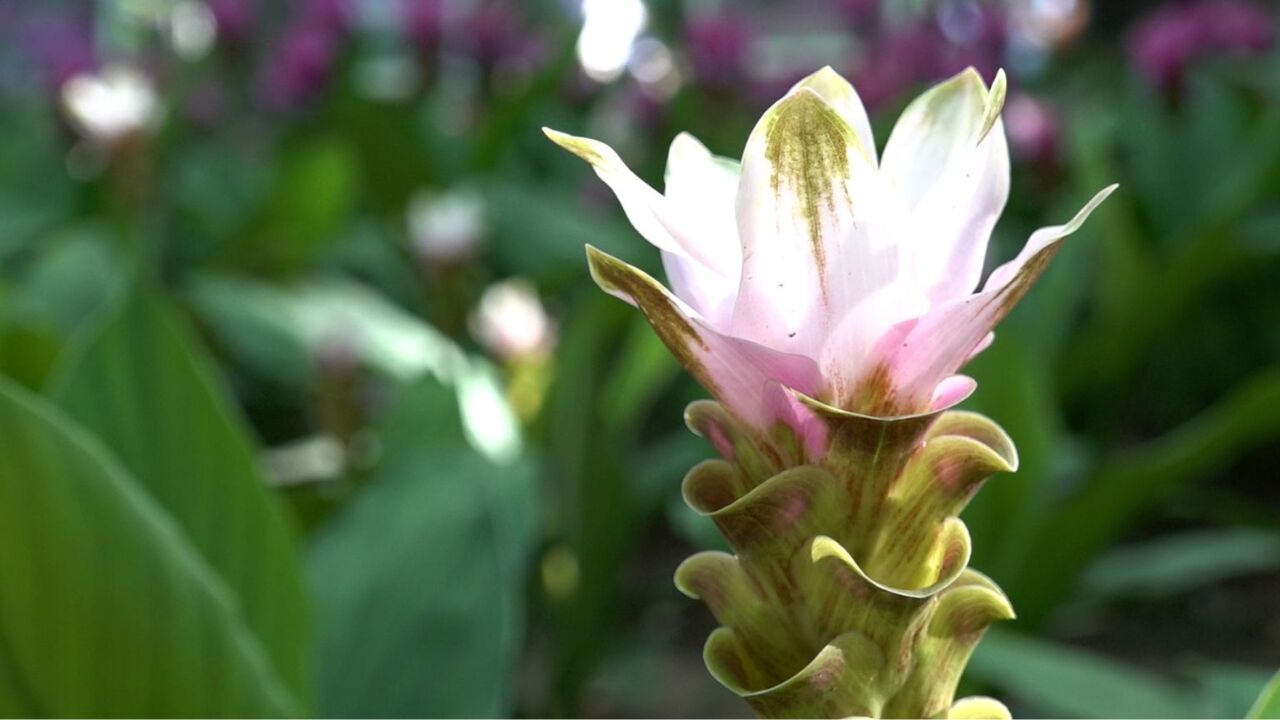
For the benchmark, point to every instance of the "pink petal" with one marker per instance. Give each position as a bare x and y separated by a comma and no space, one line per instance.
920,353
736,372
948,156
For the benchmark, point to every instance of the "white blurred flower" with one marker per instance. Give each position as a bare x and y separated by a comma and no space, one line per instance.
510,321
445,227
192,29
113,103
609,29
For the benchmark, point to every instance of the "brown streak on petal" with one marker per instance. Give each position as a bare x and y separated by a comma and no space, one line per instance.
807,144
674,329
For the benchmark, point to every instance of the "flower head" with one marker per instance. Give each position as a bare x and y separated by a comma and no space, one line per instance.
818,275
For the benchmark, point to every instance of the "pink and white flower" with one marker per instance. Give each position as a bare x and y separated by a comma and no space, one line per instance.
845,279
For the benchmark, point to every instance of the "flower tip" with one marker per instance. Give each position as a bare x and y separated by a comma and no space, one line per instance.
582,147
994,103
602,265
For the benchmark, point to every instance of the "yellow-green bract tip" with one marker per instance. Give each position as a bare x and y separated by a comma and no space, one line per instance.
995,103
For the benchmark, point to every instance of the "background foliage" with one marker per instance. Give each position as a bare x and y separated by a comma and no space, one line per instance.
308,406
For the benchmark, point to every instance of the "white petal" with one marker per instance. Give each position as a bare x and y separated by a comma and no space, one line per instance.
701,188
652,214
735,371
921,353
810,204
839,93
949,158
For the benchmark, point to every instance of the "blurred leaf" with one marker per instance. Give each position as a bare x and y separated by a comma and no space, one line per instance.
1057,681
107,609
644,368
1171,564
251,322
541,232
28,352
1228,690
1016,391
143,385
1268,703
420,584
311,201
76,273
1128,484
596,512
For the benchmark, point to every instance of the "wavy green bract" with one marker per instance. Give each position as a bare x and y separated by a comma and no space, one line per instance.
847,592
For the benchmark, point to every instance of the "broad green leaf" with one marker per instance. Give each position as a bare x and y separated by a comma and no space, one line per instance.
419,584
1057,681
141,383
107,609
1268,703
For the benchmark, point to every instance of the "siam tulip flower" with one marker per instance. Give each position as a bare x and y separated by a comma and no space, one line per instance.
818,270
827,296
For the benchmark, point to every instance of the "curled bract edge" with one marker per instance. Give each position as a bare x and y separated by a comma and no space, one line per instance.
847,590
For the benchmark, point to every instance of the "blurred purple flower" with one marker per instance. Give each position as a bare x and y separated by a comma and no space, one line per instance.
719,50
898,59
300,67
1238,26
334,16
963,33
491,33
859,13
975,34
233,19
423,22
1167,41
61,45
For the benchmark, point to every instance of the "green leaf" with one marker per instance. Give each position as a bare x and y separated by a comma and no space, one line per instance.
141,383
1268,703
1128,484
419,585
1171,564
107,609
1057,681
311,201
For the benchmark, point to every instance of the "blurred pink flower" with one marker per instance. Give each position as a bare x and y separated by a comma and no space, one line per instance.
1033,129
816,276
233,18
423,22
61,45
300,67
1165,43
719,50
334,16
